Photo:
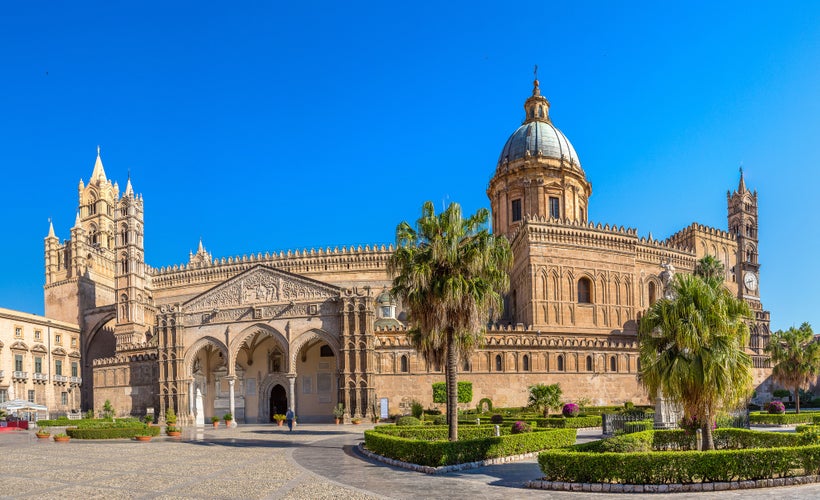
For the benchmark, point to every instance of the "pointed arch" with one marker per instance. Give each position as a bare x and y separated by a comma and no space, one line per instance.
191,352
313,334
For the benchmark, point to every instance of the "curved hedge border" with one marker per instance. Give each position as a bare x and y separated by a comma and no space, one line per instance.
603,462
761,418
437,453
441,432
112,432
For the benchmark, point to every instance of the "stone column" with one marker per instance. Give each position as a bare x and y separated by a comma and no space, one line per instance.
292,392
191,399
231,382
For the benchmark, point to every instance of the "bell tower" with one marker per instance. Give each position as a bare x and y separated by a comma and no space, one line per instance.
743,224
130,278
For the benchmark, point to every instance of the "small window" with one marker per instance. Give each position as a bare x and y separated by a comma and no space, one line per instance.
581,214
560,363
58,367
325,351
73,341
526,363
58,339
652,293
30,396
74,369
4,395
516,210
18,332
589,363
64,398
584,291
38,365
613,366
466,366
498,362
555,208
38,335
404,364
18,362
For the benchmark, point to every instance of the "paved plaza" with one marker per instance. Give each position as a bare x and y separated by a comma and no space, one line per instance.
264,461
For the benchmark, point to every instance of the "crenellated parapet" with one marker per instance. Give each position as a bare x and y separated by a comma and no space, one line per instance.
294,261
685,237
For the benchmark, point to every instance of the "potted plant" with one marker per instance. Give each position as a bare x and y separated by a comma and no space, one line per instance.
171,423
148,419
215,421
280,419
43,433
339,412
142,437
356,420
61,438
228,419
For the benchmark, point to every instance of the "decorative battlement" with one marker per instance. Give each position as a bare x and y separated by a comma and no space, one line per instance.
711,231
298,261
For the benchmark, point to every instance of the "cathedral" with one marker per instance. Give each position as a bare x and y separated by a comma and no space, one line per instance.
310,329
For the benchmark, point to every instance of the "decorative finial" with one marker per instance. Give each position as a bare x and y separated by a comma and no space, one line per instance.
536,90
98,150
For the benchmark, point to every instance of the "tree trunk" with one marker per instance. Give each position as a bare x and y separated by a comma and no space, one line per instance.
797,399
452,385
708,442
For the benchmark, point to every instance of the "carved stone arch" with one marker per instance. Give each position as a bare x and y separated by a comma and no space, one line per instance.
270,381
240,338
95,329
314,334
191,352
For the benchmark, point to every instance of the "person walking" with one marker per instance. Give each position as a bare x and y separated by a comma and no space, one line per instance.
289,418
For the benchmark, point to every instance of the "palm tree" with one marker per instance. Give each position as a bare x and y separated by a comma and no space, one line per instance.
449,273
710,269
544,398
692,349
796,358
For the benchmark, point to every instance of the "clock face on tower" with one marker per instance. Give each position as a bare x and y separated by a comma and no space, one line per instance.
750,280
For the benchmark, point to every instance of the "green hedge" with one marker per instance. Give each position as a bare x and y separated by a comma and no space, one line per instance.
440,432
639,426
780,419
437,453
660,467
113,432
465,392
815,418
65,422
569,423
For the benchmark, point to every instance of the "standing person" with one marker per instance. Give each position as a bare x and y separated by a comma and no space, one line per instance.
289,419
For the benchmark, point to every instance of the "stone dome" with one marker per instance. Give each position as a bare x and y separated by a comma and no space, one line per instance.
538,138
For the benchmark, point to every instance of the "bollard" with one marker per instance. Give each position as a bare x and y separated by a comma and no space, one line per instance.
699,437
497,430
478,421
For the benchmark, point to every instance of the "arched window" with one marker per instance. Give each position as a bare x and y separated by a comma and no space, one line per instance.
466,366
92,206
526,363
589,363
325,351
404,365
124,234
124,307
652,293
613,367
560,363
124,263
584,291
498,362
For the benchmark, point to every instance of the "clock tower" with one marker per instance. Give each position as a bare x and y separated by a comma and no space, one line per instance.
743,223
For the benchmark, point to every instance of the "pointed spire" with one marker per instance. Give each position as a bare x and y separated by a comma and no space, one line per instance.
51,229
99,172
741,187
77,221
129,191
200,248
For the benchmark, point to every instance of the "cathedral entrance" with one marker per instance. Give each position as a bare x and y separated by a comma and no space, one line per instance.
278,401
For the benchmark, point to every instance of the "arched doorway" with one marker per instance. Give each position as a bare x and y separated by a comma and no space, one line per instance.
278,400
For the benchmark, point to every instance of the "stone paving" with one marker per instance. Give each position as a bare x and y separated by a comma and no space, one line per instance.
258,461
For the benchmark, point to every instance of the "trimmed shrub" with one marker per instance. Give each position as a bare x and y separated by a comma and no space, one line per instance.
440,420
437,453
570,410
520,427
780,419
416,409
484,402
570,423
775,407
639,426
497,419
408,420
465,392
781,393
112,432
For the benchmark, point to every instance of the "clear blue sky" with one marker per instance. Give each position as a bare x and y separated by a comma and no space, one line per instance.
266,126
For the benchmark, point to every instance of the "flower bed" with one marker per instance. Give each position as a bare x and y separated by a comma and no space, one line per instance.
642,458
434,453
760,418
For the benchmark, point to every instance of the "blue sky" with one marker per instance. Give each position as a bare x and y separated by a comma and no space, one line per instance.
266,126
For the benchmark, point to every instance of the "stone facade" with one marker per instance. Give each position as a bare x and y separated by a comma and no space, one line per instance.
40,361
308,329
